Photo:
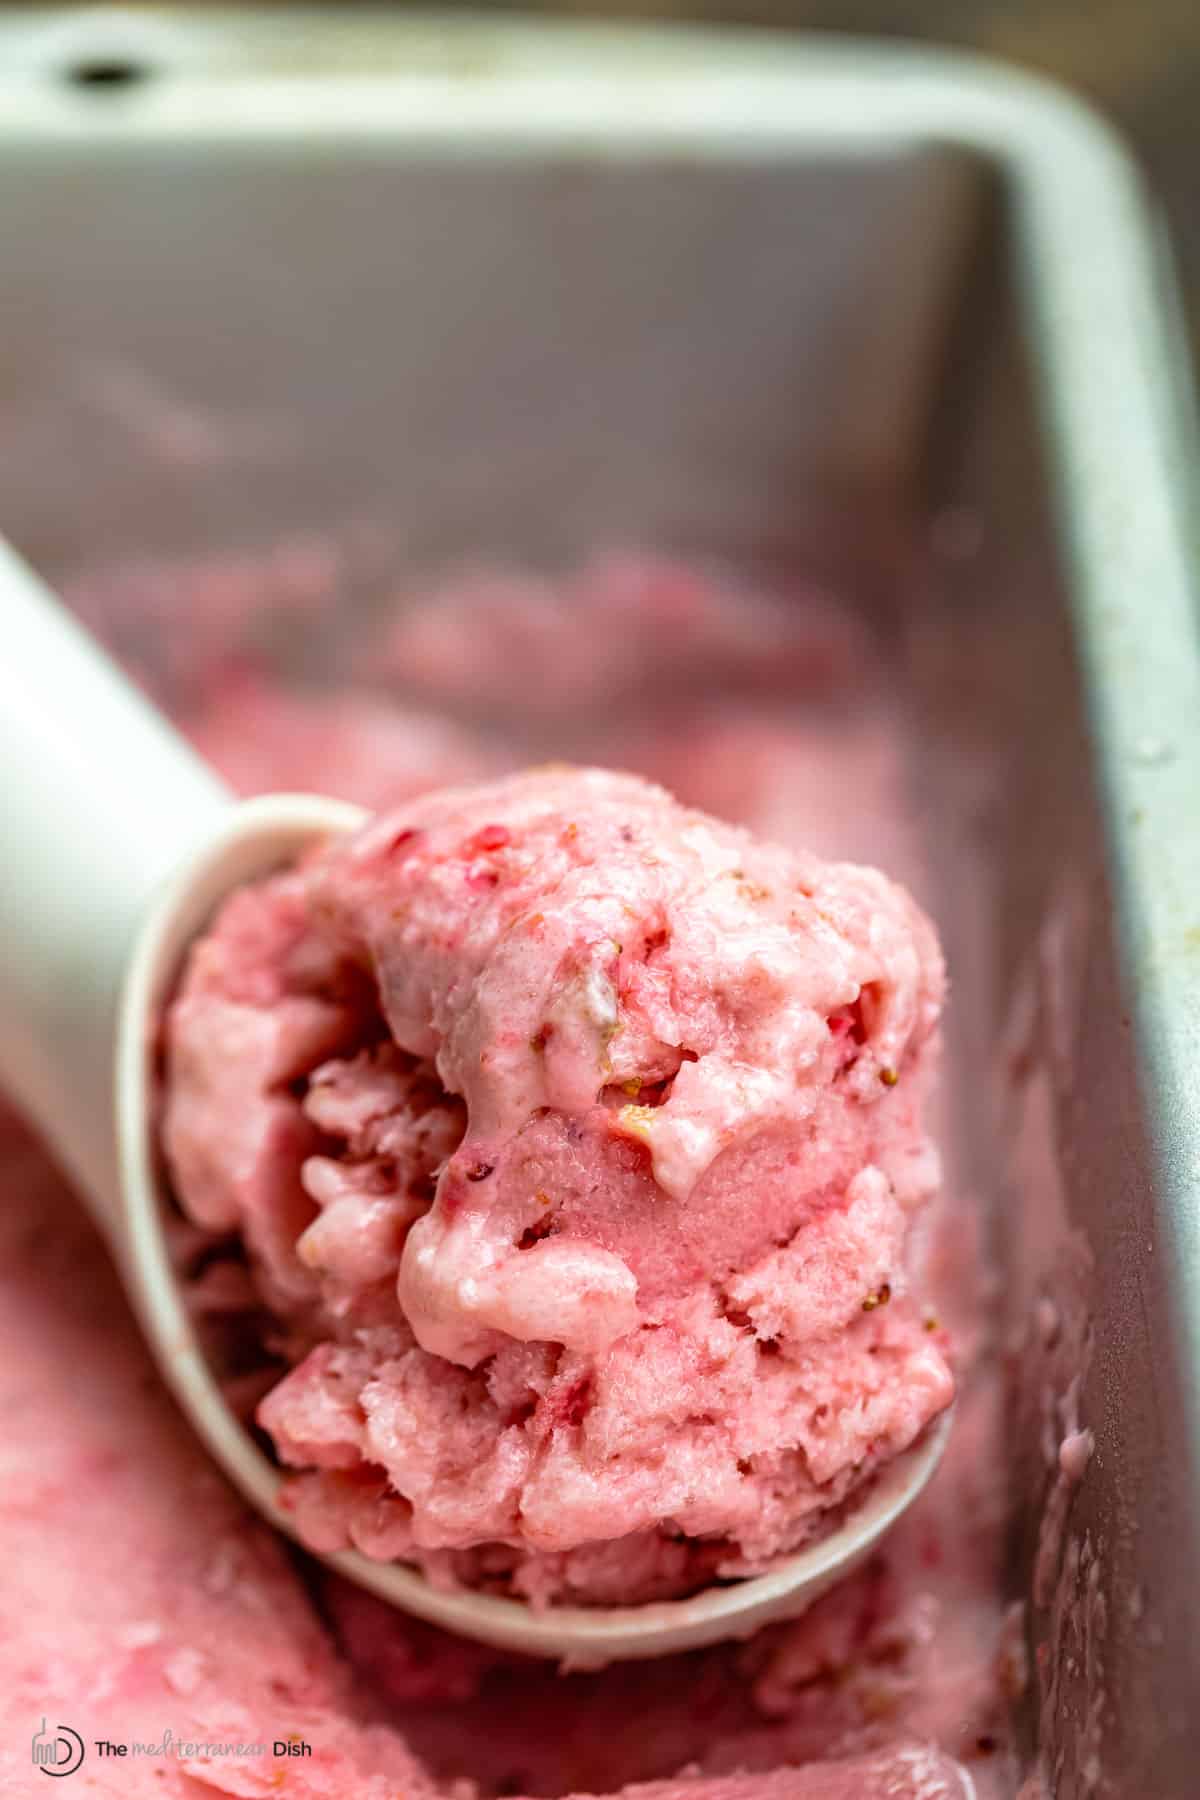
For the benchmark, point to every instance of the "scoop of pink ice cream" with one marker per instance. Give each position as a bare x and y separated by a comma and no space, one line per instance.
574,1139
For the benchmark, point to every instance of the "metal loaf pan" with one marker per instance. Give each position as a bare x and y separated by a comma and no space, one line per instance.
526,289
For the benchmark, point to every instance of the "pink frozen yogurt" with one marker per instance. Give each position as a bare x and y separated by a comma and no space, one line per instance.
574,1139
138,1598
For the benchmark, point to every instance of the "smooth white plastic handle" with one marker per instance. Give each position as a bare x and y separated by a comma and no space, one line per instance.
99,800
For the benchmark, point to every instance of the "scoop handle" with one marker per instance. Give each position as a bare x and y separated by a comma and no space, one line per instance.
99,799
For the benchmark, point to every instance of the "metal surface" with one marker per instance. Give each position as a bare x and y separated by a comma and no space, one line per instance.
520,289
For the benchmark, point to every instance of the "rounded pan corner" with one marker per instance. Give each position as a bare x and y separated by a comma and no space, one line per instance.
475,78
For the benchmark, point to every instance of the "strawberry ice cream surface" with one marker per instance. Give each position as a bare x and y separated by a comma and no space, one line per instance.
574,1138
138,1596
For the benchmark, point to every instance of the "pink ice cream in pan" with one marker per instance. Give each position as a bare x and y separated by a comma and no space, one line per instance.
481,1093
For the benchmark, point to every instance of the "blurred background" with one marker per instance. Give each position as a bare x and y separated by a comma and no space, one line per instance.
1137,60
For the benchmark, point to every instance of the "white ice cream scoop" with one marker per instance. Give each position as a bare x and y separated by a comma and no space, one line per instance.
118,843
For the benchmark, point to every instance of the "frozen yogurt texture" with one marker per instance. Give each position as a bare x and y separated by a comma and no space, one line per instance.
575,1139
